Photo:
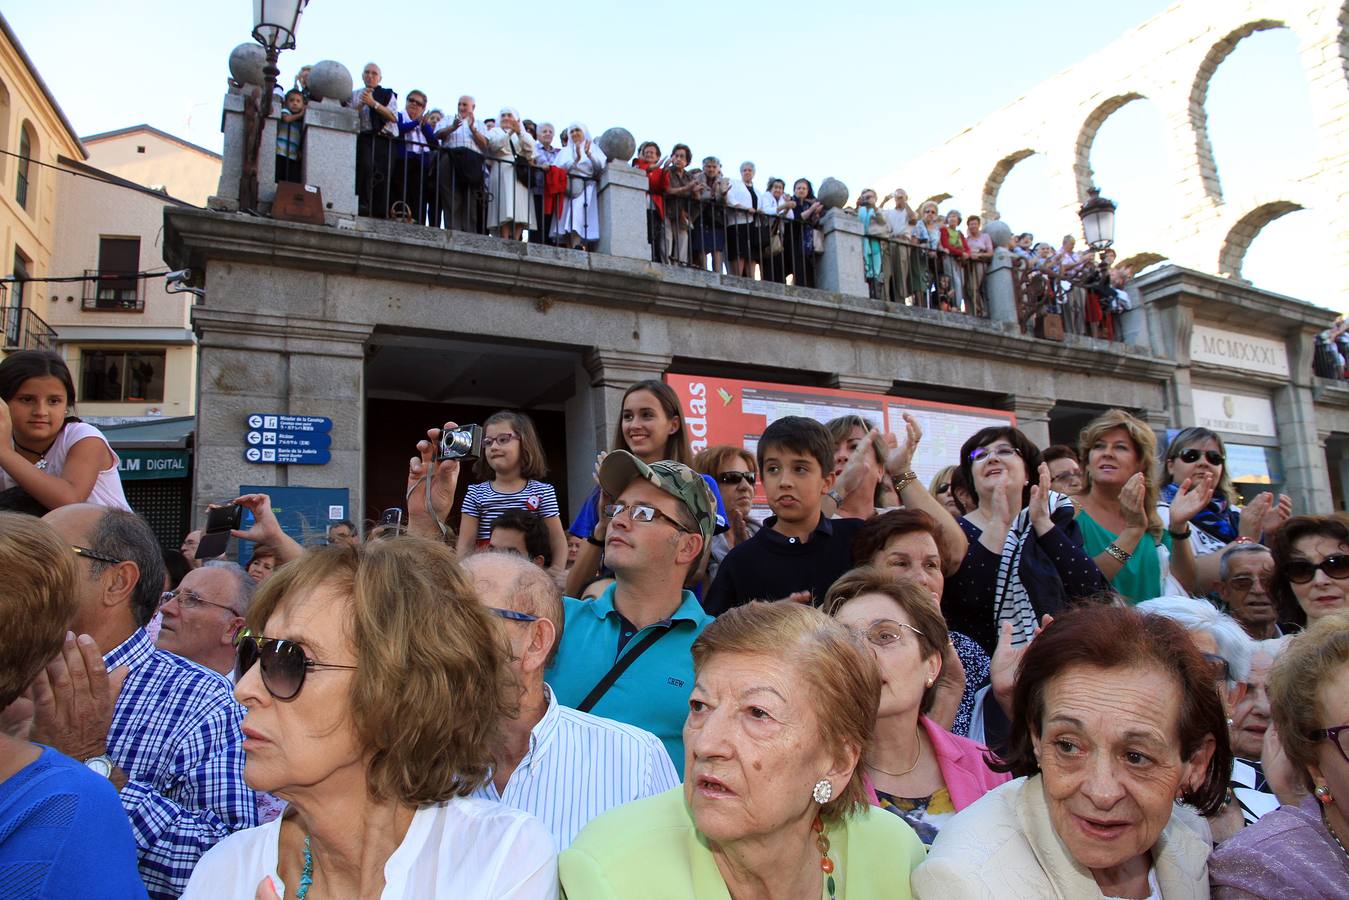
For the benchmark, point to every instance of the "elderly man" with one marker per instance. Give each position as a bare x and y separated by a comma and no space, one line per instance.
1243,573
189,548
460,168
378,109
563,766
202,616
163,730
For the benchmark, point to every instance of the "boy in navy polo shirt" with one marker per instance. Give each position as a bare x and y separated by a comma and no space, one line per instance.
800,550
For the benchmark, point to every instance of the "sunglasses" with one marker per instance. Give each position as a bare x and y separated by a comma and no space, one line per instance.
943,488
1301,571
283,663
1192,456
1339,735
94,554
511,614
736,477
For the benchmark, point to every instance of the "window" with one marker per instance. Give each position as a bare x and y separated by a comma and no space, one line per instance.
4,127
24,167
118,262
14,311
122,376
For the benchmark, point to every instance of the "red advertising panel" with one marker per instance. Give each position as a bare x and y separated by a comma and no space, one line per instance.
736,412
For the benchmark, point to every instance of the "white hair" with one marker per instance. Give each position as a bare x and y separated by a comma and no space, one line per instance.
1234,645
244,585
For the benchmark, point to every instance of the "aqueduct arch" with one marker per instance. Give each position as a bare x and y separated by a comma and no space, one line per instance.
1239,237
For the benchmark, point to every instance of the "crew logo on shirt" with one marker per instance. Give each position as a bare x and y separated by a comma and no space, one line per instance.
533,503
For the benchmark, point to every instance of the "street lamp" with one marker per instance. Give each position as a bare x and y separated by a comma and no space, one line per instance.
274,24
1098,220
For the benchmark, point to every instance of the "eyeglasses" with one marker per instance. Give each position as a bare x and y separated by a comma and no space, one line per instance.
1301,571
1242,584
1339,735
1066,476
1222,670
94,554
736,477
1003,453
883,634
502,439
191,599
640,512
1192,456
511,614
943,488
412,102
283,663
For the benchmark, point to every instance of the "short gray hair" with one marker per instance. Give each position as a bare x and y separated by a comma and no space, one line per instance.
124,535
1224,561
244,585
1234,645
532,590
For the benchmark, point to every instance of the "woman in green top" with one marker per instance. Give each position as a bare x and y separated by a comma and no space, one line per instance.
773,803
1121,530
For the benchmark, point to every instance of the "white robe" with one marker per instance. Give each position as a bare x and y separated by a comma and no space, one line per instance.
580,214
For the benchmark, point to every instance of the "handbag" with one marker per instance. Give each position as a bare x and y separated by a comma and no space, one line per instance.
524,169
466,166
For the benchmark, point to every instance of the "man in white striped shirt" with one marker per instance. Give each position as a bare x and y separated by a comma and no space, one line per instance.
562,765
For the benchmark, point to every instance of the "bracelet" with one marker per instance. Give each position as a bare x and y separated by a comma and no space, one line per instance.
1181,537
590,539
902,481
1121,555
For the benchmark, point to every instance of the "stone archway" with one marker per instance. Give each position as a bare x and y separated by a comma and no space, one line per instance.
1238,239
993,184
1086,137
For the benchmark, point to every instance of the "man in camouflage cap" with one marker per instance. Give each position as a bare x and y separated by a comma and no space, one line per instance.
657,521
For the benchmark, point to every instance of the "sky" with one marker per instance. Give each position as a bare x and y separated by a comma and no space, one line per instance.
852,94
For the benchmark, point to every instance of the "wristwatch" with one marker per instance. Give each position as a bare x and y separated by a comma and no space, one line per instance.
101,764
834,495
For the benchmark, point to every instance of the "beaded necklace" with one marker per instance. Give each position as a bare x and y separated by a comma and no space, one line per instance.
826,864
307,876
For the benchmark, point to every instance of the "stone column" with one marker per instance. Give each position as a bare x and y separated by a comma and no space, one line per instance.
1303,444
1001,290
623,203
251,363
597,411
840,266
328,157
1032,417
866,384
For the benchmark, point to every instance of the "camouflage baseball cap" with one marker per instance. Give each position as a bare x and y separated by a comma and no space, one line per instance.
676,479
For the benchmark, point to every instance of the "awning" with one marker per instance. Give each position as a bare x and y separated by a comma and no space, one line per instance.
173,433
105,334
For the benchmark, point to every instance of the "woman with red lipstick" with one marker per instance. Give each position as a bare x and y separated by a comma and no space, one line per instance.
773,802
1115,717
1311,569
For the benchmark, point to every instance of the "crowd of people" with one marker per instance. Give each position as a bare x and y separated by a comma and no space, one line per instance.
1084,671
524,180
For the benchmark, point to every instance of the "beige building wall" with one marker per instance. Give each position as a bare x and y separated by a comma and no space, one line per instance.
157,160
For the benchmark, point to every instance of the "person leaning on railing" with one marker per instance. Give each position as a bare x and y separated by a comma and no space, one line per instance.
709,214
801,241
873,250
377,107
927,232
510,206
680,185
412,169
900,264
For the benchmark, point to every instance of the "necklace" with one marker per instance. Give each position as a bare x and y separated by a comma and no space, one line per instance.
307,876
826,864
41,463
1326,819
917,756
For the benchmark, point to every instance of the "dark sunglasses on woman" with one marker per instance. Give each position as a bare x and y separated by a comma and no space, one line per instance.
1301,571
1192,456
283,663
735,477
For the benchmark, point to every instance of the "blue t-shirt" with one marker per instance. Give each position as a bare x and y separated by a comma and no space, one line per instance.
63,833
589,516
654,691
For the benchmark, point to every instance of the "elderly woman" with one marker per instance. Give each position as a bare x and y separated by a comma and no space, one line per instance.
1118,517
736,472
511,151
1311,569
774,801
373,680
262,563
1299,851
578,221
942,486
50,805
1025,556
742,249
1115,717
903,544
913,766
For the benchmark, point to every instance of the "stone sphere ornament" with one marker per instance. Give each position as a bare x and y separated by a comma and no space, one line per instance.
999,233
833,194
618,144
246,63
330,80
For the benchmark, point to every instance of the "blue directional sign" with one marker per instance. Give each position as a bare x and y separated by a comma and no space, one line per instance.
274,439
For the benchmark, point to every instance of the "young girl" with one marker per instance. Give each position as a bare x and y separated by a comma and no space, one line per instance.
46,454
651,428
513,459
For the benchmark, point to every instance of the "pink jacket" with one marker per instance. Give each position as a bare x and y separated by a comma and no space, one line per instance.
962,766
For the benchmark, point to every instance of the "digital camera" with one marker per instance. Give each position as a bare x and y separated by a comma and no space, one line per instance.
460,443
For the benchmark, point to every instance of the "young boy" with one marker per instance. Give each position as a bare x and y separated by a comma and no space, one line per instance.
289,132
799,550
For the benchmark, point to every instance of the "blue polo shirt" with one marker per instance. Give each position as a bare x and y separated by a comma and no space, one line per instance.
654,692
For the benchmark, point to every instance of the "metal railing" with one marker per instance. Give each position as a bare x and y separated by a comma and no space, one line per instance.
904,271
25,330
1052,305
729,239
113,291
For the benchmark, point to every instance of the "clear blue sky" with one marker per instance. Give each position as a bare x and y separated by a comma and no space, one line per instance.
850,89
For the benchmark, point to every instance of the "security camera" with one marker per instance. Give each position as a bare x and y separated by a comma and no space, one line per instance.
176,283
178,276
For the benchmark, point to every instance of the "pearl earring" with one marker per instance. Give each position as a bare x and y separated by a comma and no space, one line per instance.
822,792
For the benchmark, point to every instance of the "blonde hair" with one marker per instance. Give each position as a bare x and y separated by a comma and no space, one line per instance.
1303,668
38,603
428,689
837,670
1145,447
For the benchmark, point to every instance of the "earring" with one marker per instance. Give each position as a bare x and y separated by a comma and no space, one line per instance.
1229,722
930,681
1323,794
822,792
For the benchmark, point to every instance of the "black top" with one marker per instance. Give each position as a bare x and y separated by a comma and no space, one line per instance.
770,565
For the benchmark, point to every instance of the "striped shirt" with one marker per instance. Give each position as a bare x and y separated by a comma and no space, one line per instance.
579,766
175,732
484,501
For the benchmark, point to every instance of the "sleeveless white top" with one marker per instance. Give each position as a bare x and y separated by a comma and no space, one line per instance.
107,489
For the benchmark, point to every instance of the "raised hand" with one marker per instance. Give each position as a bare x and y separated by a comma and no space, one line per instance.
1006,658
444,477
854,470
74,698
1131,498
1193,496
1252,520
1277,515
899,454
1039,502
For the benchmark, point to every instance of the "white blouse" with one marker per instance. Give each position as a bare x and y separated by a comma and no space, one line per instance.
463,849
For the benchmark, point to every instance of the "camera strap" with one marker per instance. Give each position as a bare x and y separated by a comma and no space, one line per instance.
621,666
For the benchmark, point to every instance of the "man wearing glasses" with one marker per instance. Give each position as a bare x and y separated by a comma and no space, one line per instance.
1243,573
626,654
164,731
201,618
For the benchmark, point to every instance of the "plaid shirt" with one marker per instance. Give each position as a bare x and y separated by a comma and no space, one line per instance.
175,732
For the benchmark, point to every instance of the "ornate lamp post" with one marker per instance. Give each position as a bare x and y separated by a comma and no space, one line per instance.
1098,220
274,24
